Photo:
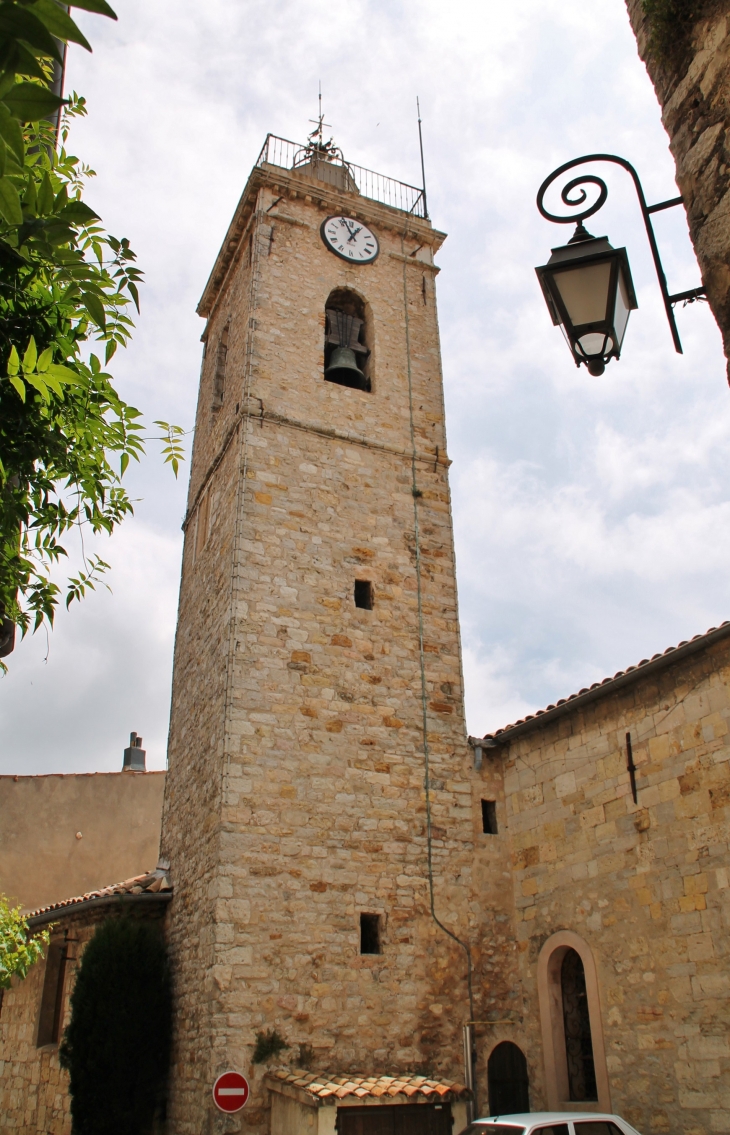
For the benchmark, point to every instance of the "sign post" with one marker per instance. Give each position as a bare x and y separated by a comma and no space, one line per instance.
230,1092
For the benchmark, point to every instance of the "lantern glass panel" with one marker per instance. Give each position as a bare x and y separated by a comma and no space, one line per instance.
621,315
593,343
584,291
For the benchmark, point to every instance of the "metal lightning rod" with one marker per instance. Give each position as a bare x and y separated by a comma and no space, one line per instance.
423,167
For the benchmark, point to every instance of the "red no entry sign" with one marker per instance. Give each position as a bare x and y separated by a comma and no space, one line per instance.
230,1091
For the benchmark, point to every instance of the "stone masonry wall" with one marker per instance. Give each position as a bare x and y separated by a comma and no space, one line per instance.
694,94
33,1086
295,796
645,885
34,1097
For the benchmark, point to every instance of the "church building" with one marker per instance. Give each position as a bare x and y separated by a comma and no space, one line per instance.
385,925
354,876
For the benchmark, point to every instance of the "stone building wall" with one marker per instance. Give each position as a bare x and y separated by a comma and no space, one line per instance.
33,1086
640,889
34,1091
295,796
34,1098
693,88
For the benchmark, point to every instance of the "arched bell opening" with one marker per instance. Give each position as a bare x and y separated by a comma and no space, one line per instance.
347,340
509,1089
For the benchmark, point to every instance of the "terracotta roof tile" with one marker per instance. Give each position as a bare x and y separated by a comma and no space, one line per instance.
151,882
322,1086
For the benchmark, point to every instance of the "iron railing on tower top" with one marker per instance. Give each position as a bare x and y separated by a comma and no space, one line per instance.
330,163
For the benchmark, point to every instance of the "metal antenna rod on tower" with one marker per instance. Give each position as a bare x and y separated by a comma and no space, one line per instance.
319,124
423,167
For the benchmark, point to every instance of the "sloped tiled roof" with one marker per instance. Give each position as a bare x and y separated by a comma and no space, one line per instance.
155,882
323,1088
608,685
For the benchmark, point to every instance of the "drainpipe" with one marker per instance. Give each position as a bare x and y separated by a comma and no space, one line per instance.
479,744
471,1108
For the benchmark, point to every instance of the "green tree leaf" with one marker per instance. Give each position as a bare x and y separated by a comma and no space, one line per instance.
78,212
10,207
65,374
18,384
30,356
11,132
59,22
44,360
30,102
98,6
18,951
18,22
45,195
13,363
95,308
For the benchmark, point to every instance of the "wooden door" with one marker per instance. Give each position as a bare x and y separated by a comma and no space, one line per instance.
398,1119
508,1083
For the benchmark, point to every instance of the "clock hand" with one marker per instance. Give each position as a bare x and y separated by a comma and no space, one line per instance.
353,234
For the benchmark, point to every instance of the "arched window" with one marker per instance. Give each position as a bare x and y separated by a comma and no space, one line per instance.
346,341
577,1025
507,1080
570,1017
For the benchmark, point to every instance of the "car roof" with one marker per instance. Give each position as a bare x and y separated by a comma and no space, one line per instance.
540,1118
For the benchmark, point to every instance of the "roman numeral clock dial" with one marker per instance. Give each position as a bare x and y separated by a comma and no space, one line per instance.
350,240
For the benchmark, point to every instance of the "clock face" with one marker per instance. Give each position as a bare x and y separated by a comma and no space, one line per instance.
350,239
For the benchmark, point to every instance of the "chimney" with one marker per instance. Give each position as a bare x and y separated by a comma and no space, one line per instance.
134,756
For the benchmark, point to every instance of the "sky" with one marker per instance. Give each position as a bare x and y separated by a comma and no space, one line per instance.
591,514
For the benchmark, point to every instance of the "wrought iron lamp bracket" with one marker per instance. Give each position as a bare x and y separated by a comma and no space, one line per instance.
646,211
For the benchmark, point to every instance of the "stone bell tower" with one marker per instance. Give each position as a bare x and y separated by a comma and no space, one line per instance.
318,805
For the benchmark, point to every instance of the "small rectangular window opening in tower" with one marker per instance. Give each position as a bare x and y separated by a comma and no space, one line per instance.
370,934
364,594
489,817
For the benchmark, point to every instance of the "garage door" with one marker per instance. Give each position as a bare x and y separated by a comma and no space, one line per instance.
406,1119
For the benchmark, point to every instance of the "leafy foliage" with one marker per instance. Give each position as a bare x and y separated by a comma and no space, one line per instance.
671,23
18,952
117,1044
66,435
268,1044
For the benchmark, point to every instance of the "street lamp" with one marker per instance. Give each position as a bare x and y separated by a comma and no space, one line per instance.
587,283
589,292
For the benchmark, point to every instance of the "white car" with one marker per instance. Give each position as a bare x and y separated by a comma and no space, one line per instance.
551,1123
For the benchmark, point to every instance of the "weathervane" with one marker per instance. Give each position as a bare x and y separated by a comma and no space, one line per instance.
315,141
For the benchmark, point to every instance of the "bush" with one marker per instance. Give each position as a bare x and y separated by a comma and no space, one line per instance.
117,1045
671,25
268,1044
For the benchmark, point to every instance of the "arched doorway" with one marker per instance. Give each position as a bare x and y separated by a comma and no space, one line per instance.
508,1081
577,1023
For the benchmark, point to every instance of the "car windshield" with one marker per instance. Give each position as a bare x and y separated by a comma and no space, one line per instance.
494,1129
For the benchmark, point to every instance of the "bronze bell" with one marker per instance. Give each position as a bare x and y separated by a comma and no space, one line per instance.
344,370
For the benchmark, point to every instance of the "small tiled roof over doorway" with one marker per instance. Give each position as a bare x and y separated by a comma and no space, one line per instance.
321,1088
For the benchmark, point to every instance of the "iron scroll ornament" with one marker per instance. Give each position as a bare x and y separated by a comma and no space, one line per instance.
646,211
